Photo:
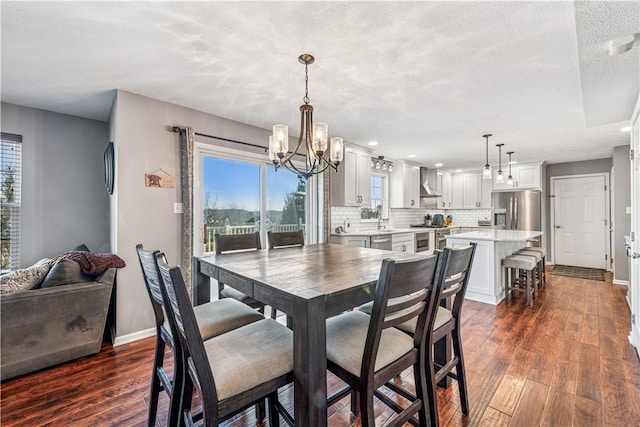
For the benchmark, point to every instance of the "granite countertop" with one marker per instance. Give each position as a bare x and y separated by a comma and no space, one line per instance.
403,230
497,235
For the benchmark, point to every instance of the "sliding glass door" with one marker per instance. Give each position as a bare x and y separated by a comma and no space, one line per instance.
238,192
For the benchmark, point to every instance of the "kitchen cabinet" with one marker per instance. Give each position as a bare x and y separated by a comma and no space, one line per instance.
525,176
351,185
444,184
359,241
405,185
403,242
470,191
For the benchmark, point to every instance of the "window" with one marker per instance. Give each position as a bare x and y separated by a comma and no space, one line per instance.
379,194
10,180
241,194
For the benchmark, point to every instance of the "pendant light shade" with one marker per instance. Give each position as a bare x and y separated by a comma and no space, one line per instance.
510,177
486,171
499,175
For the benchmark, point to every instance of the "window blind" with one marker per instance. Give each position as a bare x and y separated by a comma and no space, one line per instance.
10,196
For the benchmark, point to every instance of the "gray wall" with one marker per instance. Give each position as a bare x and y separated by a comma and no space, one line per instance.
143,143
64,202
568,169
621,220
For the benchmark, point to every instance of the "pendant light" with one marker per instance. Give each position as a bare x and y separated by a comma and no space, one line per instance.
510,177
499,175
486,172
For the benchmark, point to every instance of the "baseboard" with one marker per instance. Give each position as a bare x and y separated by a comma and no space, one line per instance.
620,282
126,339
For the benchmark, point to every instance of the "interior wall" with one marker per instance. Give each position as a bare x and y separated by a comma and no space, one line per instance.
621,219
64,202
144,143
569,169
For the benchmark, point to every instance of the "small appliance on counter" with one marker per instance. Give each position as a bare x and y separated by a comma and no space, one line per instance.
347,225
427,220
437,221
448,221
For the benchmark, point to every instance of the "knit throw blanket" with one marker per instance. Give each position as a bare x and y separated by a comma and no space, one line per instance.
92,263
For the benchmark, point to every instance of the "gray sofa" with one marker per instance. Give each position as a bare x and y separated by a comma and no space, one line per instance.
45,327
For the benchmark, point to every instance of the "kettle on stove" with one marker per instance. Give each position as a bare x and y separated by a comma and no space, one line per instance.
438,220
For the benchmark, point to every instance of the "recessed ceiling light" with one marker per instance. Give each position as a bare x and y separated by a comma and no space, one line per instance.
438,165
372,143
458,170
625,129
411,156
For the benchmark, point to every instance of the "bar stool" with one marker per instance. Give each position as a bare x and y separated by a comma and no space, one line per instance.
542,252
538,272
511,265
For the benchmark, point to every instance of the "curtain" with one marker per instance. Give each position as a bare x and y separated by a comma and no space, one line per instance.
187,141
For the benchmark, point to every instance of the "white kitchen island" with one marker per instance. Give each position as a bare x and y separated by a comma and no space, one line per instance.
486,282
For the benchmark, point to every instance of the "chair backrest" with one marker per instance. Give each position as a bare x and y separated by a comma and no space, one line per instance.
404,291
455,276
152,281
183,320
237,242
285,238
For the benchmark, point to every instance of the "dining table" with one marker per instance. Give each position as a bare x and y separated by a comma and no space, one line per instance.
309,284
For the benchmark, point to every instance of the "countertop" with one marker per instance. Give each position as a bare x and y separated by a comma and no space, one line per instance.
403,230
497,235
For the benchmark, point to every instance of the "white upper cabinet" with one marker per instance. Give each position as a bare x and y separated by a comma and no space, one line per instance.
467,191
525,176
444,185
405,185
351,185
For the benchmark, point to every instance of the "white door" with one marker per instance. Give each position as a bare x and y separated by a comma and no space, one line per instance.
580,221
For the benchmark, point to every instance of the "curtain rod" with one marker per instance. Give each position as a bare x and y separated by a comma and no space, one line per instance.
178,129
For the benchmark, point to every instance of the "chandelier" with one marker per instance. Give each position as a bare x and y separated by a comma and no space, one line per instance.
314,137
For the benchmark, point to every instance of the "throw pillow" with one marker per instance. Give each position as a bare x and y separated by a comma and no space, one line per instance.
63,272
24,279
82,248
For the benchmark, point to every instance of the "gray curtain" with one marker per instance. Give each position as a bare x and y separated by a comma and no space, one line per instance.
187,141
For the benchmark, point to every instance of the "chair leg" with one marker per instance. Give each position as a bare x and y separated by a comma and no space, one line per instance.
367,416
156,385
528,287
460,372
175,413
261,411
430,383
274,416
419,376
355,402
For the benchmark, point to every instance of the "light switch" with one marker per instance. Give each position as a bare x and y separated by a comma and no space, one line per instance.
627,210
177,208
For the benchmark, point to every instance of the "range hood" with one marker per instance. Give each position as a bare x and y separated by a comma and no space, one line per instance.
429,183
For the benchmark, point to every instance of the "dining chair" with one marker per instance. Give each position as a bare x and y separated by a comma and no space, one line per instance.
453,274
214,318
232,371
284,239
367,352
233,243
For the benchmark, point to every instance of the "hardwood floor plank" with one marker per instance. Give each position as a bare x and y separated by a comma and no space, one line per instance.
559,409
616,400
587,413
494,418
531,405
588,384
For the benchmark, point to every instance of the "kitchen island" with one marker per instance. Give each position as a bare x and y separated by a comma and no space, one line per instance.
486,282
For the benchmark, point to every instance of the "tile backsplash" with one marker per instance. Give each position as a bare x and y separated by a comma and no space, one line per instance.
402,218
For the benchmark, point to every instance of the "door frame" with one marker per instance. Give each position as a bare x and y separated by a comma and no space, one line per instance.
607,195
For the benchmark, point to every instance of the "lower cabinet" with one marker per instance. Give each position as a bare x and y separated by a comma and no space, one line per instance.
403,242
359,241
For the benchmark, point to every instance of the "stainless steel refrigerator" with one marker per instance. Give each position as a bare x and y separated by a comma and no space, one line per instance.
517,210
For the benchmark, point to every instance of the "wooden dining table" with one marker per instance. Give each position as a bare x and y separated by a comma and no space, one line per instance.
310,284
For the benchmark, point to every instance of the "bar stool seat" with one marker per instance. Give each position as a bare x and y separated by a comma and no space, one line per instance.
539,272
542,252
514,263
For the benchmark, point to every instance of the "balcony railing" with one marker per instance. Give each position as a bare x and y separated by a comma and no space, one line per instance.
210,231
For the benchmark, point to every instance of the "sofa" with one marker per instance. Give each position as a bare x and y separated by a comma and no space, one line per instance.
61,319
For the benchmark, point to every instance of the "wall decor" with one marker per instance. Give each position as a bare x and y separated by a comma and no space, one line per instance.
159,179
109,167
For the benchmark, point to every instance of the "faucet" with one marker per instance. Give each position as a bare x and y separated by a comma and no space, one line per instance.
379,209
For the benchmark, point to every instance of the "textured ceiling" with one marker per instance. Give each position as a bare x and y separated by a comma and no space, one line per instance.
424,78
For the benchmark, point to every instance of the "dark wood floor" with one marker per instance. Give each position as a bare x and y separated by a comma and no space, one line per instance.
565,361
